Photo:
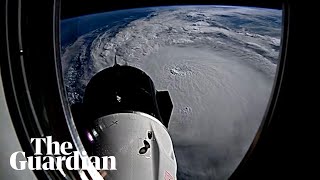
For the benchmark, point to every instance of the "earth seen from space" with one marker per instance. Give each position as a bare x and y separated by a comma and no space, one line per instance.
217,62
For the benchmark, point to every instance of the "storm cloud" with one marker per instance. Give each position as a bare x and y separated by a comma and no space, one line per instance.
218,64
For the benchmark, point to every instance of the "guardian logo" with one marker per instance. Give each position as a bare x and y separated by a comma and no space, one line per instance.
54,160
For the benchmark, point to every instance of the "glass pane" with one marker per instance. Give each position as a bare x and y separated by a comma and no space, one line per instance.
218,63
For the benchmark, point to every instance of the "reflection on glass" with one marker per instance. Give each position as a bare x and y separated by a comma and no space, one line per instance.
217,62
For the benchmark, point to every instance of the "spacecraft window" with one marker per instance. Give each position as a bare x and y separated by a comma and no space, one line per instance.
219,64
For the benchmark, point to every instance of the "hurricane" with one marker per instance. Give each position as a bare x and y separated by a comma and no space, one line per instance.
217,62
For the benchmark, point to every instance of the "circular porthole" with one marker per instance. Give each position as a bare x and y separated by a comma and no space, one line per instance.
185,91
